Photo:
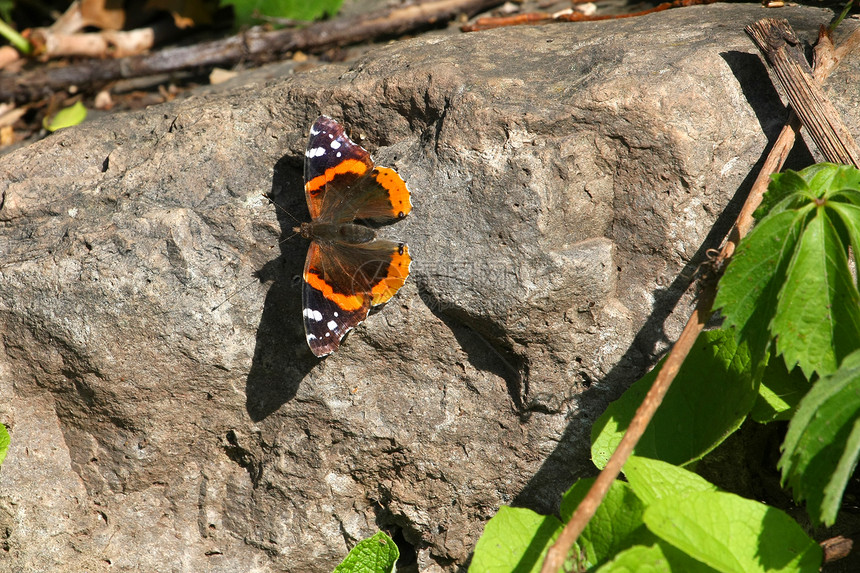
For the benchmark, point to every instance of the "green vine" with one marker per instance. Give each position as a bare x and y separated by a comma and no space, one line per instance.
789,349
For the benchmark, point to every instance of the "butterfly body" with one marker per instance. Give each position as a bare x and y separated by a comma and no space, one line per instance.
349,233
348,269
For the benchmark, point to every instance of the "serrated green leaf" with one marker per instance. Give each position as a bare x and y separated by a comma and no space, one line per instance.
377,554
652,480
66,117
848,196
817,322
246,10
732,534
657,558
709,399
616,525
782,187
848,215
515,539
779,393
747,293
5,440
822,445
828,179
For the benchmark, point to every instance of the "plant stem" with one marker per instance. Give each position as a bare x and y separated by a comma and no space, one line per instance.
18,41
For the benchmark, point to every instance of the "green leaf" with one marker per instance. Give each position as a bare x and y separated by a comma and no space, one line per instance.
638,559
822,445
657,558
5,440
289,9
848,215
708,400
826,180
616,525
653,480
514,540
817,322
66,117
779,393
782,186
731,534
378,554
747,292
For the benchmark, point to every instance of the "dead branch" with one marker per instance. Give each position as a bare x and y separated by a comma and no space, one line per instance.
105,44
558,552
543,17
837,548
256,45
784,54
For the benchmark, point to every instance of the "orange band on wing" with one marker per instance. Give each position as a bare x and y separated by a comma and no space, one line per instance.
345,301
398,270
397,191
346,166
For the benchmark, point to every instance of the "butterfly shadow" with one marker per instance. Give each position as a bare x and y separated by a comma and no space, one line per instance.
281,355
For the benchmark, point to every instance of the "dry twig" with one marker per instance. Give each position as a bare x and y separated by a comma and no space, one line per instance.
104,44
777,41
837,548
543,17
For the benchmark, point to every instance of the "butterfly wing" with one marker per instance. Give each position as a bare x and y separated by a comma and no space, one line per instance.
332,162
342,184
380,196
342,281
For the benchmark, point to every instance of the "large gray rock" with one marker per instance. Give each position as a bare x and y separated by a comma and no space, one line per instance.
165,412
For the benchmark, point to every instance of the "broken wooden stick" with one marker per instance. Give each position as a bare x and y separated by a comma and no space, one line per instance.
104,44
780,45
573,16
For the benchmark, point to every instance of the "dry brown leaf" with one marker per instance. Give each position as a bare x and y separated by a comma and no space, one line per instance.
8,118
103,14
220,75
186,13
103,100
7,135
8,55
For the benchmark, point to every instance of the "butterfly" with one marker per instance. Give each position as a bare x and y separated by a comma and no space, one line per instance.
348,269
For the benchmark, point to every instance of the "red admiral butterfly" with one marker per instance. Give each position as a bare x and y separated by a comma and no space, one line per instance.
348,269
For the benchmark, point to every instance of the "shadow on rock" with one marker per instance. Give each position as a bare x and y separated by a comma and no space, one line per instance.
752,75
281,355
544,490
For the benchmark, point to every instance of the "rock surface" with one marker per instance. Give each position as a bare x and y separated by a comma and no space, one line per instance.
165,412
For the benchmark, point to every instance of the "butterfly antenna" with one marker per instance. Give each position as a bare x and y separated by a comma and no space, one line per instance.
234,293
284,211
296,231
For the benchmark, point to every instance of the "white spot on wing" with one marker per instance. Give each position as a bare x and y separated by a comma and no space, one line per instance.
335,144
314,315
332,325
315,152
